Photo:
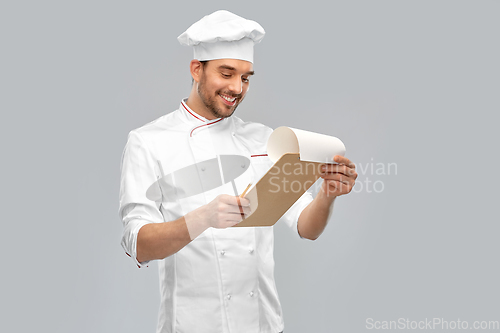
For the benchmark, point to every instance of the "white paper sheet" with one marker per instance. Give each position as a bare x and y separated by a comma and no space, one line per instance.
313,147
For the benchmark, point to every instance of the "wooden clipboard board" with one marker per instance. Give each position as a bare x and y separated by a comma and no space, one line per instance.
279,189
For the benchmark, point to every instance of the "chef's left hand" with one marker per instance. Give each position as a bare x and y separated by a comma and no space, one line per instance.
338,178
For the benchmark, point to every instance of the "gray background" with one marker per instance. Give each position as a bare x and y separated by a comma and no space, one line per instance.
414,83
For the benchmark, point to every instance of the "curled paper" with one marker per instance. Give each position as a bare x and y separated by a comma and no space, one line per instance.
312,147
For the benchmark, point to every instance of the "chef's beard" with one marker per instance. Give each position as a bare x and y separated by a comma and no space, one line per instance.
211,101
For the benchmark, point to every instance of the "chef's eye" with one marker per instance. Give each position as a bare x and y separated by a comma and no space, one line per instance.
245,79
227,76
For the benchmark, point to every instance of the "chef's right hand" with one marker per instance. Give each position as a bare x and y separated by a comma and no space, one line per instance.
222,212
225,211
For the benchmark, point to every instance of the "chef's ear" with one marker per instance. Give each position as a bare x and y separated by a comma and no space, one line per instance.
196,68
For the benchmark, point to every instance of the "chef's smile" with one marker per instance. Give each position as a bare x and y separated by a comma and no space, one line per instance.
229,101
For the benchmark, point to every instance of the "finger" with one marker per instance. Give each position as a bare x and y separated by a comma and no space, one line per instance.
235,217
232,209
339,168
344,160
334,168
236,201
244,210
240,207
337,187
347,176
338,178
244,202
232,220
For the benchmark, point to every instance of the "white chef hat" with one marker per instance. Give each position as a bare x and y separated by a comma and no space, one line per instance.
223,35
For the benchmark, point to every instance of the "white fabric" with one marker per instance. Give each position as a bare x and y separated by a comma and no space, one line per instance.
241,49
223,281
223,35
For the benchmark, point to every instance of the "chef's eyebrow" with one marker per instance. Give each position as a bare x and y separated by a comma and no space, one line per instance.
230,68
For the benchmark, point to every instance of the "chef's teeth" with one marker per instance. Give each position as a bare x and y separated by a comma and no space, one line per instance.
228,99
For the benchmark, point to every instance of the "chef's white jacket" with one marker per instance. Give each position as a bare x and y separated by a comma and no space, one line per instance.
223,281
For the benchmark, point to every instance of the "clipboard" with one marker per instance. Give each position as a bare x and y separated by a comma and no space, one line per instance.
279,189
298,156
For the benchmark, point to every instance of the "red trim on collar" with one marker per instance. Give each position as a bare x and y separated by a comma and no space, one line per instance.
185,108
258,155
206,124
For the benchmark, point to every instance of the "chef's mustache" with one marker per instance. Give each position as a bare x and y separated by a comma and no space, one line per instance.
230,94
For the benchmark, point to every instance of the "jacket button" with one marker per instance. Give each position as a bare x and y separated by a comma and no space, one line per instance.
222,252
250,250
228,297
251,294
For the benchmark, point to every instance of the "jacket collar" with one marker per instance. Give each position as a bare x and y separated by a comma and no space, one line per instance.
195,121
190,116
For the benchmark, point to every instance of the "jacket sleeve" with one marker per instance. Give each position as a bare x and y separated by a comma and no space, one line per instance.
291,217
136,210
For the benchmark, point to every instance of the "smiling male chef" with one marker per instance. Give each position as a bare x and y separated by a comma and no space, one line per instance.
213,278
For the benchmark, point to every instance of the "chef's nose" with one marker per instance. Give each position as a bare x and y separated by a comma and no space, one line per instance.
236,86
